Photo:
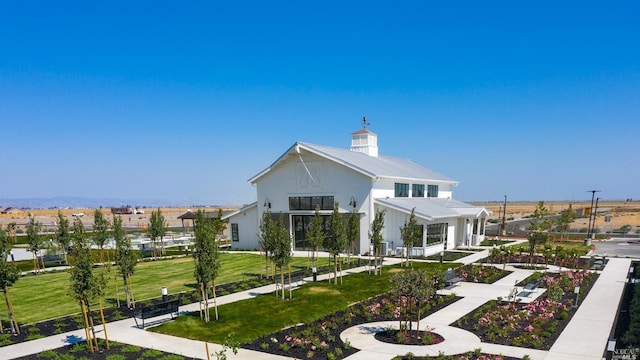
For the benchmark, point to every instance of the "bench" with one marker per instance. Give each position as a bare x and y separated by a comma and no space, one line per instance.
597,265
297,278
529,288
53,258
153,310
450,278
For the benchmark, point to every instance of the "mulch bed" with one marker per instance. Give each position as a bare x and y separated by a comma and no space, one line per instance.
468,322
117,351
393,336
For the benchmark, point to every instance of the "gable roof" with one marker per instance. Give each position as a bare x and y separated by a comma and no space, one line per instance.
372,166
433,208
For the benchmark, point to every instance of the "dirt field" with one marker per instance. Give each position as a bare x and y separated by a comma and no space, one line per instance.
620,213
48,218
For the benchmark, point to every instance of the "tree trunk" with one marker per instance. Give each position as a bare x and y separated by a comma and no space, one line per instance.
215,302
282,281
418,322
15,328
104,324
290,287
130,291
35,263
115,282
335,269
86,326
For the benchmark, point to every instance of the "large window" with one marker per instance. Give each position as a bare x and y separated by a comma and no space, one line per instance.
235,236
437,233
432,190
301,227
401,190
310,202
417,190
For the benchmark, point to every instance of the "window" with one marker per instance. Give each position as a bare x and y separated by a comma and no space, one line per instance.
234,232
401,190
432,190
417,190
310,202
301,227
437,233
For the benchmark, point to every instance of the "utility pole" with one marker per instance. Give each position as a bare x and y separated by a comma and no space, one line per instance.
503,225
595,214
587,241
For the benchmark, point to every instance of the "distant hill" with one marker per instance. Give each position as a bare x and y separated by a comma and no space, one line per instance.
91,203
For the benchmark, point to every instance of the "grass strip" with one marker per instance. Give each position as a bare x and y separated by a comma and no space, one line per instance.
44,296
262,315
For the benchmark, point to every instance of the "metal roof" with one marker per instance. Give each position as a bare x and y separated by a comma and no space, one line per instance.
374,167
433,208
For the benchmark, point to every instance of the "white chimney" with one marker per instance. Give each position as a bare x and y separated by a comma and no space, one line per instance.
365,141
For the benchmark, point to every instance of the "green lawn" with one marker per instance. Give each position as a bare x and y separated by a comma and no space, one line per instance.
40,297
250,319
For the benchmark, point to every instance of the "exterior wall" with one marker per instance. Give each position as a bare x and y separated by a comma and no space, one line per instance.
394,220
247,229
290,178
386,188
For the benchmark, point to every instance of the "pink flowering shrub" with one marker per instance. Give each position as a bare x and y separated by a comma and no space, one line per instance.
528,325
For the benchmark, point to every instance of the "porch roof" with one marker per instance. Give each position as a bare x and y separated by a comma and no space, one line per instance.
433,208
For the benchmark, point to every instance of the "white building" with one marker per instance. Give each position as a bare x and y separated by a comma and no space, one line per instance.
307,175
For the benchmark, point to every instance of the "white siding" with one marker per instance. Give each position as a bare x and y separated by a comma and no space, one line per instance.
290,178
247,229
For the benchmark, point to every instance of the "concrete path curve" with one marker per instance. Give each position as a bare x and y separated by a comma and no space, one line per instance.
456,340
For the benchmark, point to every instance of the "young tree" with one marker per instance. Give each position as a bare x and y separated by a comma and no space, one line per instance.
538,229
410,233
9,274
336,239
63,236
566,218
315,236
281,255
267,241
353,230
206,259
157,229
412,287
375,236
34,241
125,258
11,231
85,285
100,232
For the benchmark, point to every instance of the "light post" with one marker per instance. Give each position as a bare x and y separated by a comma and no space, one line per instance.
576,291
165,294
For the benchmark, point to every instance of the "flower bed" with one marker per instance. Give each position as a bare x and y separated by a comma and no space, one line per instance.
535,325
481,274
394,336
321,339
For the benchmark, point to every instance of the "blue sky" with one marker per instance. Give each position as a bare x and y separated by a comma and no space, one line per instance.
185,102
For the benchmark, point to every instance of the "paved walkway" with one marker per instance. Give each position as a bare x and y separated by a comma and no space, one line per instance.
584,338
